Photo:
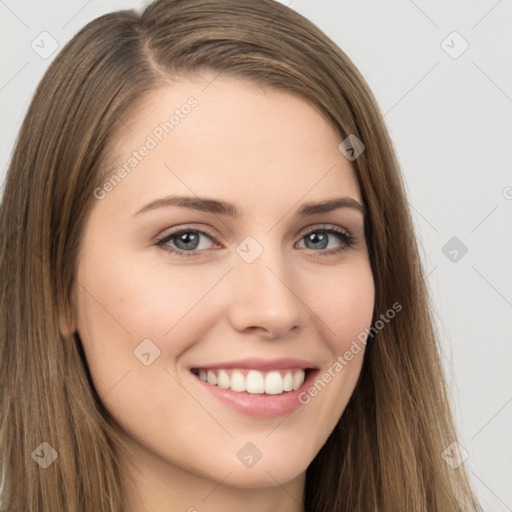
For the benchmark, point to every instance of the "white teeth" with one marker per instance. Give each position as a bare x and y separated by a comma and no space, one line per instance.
212,378
255,382
237,381
223,380
273,382
298,379
287,382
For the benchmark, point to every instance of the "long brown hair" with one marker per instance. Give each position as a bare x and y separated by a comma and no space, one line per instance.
385,454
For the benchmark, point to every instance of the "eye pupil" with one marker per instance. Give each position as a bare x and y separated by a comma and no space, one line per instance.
318,236
185,238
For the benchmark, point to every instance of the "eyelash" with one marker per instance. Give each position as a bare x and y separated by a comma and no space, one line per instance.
348,240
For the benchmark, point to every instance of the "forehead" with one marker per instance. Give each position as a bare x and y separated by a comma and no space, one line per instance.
230,135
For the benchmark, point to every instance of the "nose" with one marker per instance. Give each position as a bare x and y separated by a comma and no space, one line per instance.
265,298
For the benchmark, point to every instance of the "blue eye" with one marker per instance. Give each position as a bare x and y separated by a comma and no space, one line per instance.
187,241
321,237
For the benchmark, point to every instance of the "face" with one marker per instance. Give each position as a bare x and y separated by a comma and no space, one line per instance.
172,292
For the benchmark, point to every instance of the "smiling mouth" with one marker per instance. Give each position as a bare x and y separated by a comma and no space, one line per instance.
251,381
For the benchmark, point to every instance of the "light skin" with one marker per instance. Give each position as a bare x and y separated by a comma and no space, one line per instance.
267,152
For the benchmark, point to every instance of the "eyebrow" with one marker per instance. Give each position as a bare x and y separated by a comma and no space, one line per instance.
218,207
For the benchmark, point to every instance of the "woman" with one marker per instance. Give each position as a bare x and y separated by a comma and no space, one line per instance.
266,368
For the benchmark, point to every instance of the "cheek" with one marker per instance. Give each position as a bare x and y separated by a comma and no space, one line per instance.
343,309
122,304
138,301
125,313
345,306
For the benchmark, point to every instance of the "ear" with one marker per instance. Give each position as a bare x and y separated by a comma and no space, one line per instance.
67,325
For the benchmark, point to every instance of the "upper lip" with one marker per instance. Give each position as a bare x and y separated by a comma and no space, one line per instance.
260,364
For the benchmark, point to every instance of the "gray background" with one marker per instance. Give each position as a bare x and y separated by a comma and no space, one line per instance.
450,120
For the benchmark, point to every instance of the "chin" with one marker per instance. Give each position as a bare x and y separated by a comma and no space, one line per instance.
279,465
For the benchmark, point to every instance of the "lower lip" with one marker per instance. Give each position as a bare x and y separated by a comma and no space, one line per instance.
260,405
